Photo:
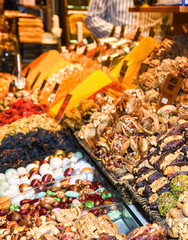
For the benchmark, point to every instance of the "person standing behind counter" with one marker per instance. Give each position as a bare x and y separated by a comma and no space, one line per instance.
104,14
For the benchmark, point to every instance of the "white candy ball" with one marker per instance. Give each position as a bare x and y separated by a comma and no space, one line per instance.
30,166
44,168
21,170
2,176
9,174
46,158
74,159
65,161
24,179
14,188
58,172
56,162
36,176
14,179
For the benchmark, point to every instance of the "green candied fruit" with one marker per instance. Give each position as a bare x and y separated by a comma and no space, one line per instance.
79,204
179,184
13,207
57,199
50,193
89,204
165,202
109,195
103,195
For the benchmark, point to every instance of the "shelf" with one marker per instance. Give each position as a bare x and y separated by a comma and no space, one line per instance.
174,9
76,12
71,7
33,6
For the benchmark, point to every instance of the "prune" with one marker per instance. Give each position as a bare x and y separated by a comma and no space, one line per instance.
173,145
154,176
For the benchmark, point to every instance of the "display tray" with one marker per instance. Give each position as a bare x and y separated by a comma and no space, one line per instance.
124,188
112,177
126,221
153,214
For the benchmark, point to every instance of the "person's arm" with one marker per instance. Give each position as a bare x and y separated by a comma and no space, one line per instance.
95,19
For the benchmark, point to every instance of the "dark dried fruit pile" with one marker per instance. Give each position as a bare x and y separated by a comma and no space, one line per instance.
32,145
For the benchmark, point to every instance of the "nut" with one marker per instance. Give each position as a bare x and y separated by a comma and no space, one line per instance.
175,213
185,209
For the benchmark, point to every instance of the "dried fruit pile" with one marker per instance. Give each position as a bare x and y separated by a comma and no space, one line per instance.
32,145
19,109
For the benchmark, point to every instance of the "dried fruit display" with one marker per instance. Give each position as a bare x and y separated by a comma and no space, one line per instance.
156,75
32,123
19,109
54,167
32,145
13,97
58,77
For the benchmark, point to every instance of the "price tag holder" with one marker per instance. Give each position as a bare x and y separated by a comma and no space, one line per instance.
131,46
113,31
85,51
122,31
169,90
108,61
123,71
143,68
97,54
169,31
152,32
42,86
137,34
27,73
55,88
35,80
63,107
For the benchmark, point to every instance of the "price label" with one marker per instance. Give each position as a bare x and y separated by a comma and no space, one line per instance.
97,54
85,51
123,71
137,34
27,73
122,31
55,88
113,31
152,32
108,61
42,86
169,31
143,68
169,90
35,80
63,107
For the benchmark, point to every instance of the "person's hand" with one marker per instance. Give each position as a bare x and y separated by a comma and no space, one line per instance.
130,35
